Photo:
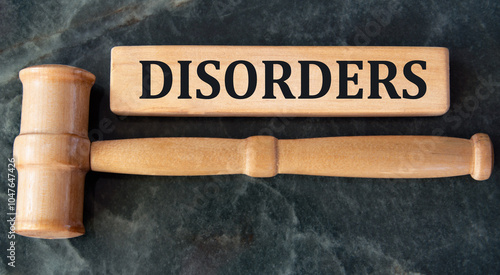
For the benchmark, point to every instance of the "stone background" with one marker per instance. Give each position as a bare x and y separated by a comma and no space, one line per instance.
284,225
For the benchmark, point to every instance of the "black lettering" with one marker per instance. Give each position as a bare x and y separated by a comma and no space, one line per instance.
375,79
184,79
305,75
210,80
344,79
421,85
252,79
269,79
146,79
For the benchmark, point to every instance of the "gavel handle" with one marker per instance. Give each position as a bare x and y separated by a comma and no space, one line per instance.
265,156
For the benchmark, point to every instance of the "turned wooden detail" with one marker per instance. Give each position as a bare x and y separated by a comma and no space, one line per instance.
265,156
52,151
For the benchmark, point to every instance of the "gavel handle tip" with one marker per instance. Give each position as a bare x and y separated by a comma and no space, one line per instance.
482,157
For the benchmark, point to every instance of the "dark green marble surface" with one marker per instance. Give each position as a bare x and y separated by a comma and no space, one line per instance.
283,225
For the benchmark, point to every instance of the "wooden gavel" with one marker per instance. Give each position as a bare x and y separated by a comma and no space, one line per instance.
53,154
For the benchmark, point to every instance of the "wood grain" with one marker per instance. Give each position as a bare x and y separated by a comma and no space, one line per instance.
52,151
265,156
127,81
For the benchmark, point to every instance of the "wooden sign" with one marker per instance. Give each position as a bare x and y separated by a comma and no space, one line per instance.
279,81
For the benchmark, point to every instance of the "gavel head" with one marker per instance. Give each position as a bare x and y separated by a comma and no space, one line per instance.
52,151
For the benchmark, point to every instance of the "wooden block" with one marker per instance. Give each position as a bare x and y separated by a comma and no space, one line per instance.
279,81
